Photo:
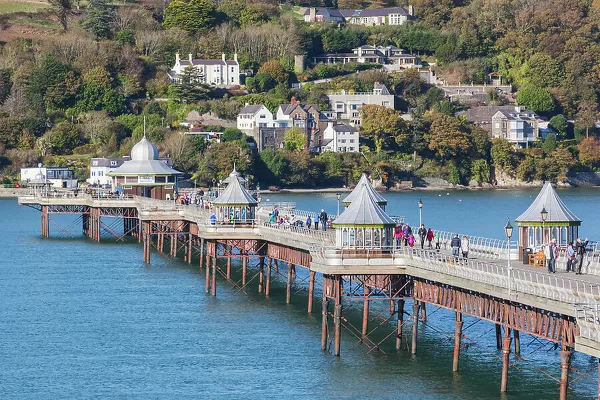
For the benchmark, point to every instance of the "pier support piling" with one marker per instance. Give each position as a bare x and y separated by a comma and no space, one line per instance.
365,316
415,326
268,278
261,274
565,363
311,290
325,307
190,247
201,253
399,324
45,222
457,338
517,342
423,311
288,288
337,320
498,337
207,274
244,268
505,360
214,277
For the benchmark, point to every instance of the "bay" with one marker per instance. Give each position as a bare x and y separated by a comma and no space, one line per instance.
80,319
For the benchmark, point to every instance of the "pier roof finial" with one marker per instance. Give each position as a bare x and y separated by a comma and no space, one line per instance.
364,180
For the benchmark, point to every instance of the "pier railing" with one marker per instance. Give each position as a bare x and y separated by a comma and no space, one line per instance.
588,320
297,232
482,246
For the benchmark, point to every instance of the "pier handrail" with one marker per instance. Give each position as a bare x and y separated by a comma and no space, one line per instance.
588,320
297,232
484,246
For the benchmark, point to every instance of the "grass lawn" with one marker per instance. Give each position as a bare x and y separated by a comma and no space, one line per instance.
7,7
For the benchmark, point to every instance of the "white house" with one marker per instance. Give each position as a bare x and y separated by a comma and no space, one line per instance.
346,106
518,126
340,138
252,117
100,167
223,73
61,177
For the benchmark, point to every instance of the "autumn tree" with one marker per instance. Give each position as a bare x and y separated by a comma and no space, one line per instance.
503,155
589,151
447,136
275,70
535,98
219,159
383,126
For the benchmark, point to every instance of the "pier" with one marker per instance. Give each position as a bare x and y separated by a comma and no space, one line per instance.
353,264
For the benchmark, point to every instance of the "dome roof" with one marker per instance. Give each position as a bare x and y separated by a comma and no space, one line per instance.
144,150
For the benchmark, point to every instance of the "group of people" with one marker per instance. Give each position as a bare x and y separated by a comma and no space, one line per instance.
321,220
573,254
194,198
404,234
459,245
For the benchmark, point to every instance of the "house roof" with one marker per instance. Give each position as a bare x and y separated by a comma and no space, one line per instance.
484,114
382,87
235,195
548,199
364,181
197,61
193,116
363,210
321,11
382,12
349,13
344,128
251,109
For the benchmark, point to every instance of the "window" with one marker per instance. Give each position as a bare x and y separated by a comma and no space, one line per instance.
339,106
351,140
385,103
351,148
231,69
354,107
263,116
113,163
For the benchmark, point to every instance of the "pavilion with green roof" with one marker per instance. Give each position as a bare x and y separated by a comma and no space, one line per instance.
364,224
364,180
547,218
235,204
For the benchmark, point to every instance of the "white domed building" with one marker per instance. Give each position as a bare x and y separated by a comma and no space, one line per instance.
145,175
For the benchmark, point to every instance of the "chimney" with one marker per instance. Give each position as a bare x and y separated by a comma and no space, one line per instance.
177,58
312,14
235,57
411,11
293,101
223,56
190,57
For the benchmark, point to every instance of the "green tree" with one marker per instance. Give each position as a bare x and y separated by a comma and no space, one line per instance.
384,126
194,16
63,138
549,144
98,20
189,89
480,171
63,10
218,160
503,155
560,124
294,139
231,134
536,99
447,137
526,170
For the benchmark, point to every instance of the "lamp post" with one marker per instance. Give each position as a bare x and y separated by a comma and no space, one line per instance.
338,195
420,212
508,230
544,215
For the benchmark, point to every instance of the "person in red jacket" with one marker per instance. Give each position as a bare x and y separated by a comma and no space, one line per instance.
429,236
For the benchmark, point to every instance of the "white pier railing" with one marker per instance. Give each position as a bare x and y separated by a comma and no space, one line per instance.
588,320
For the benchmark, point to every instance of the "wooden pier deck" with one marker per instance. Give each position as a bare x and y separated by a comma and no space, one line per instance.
561,308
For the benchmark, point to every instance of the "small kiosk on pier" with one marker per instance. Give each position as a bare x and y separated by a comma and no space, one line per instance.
364,180
546,218
364,224
145,175
235,204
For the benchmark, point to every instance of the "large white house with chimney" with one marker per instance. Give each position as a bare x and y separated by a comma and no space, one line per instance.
221,73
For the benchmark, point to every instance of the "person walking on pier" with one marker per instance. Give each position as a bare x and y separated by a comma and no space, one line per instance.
429,236
455,244
570,258
551,253
436,239
323,218
422,232
464,247
308,222
398,235
580,251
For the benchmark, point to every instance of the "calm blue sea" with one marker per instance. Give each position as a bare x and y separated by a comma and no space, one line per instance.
83,320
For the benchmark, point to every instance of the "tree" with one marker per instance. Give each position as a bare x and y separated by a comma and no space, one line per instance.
480,171
218,160
549,144
194,16
536,99
384,126
275,70
589,151
63,138
503,155
231,134
294,139
447,137
98,19
190,88
63,9
587,114
560,124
